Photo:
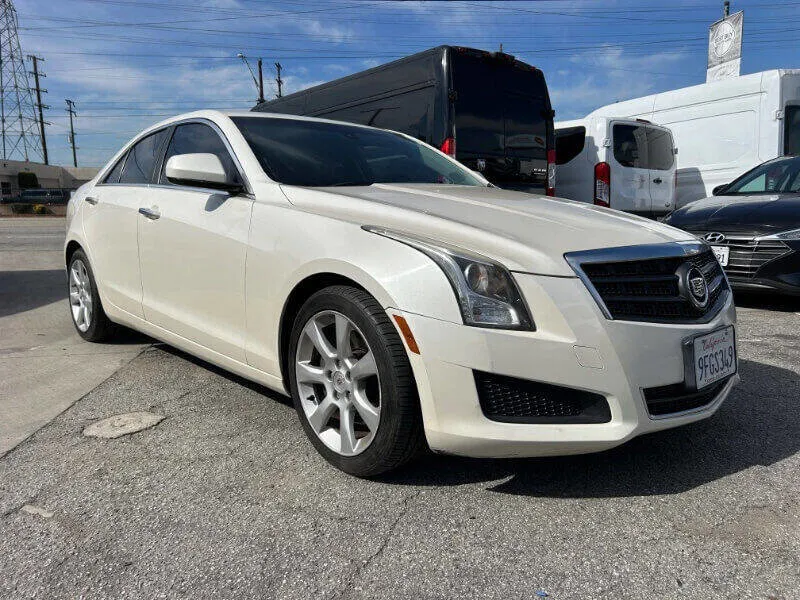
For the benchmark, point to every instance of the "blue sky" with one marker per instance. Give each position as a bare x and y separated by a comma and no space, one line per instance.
130,63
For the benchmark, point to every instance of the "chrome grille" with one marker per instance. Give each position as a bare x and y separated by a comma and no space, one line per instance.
646,288
748,254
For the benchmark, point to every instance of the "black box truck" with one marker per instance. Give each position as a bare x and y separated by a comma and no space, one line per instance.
486,109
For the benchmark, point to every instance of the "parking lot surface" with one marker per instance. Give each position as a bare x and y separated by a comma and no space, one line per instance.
225,498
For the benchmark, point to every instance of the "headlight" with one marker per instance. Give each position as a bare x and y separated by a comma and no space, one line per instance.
486,292
793,234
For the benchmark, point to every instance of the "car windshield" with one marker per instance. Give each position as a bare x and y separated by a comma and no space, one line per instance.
318,154
780,176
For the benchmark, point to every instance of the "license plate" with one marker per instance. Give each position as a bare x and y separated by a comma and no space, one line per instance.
722,253
714,356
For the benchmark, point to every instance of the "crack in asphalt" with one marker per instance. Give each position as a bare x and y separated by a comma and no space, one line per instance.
347,587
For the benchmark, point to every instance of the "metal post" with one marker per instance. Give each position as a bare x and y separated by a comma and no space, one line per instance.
278,68
726,8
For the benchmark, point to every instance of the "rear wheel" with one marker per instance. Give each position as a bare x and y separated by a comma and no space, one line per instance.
352,383
87,312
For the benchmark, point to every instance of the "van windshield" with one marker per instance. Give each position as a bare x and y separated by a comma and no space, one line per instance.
643,147
503,118
320,154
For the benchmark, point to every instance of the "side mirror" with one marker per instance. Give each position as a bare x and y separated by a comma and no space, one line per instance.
719,190
200,170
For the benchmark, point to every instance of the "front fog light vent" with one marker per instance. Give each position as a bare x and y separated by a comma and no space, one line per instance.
512,400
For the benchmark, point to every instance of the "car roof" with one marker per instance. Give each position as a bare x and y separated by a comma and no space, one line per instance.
217,114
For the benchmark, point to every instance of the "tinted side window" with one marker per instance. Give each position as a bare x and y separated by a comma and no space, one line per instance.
142,159
113,175
569,143
197,138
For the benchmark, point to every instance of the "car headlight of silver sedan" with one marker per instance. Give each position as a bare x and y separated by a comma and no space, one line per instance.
486,292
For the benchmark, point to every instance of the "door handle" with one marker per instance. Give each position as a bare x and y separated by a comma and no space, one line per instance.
91,200
150,213
657,180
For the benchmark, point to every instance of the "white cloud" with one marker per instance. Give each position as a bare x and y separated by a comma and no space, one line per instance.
609,75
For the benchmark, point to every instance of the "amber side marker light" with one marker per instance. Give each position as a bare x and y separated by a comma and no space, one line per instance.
406,331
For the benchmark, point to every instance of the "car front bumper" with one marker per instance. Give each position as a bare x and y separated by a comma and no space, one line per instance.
574,346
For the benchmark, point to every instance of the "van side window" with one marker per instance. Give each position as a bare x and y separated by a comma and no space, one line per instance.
791,131
113,175
198,138
569,143
142,159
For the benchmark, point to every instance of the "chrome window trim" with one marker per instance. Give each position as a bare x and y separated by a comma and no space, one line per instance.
634,253
248,189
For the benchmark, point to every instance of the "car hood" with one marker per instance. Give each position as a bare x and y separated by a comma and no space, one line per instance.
757,215
525,232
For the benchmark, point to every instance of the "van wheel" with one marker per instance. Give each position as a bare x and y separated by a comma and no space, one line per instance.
352,384
88,316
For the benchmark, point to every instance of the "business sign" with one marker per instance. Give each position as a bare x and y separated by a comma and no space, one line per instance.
725,47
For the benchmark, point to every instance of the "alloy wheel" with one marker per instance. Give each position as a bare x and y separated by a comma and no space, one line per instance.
80,295
338,382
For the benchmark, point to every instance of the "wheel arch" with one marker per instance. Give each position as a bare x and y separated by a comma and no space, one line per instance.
70,249
300,293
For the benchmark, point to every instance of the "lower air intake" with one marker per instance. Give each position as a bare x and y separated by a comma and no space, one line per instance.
512,400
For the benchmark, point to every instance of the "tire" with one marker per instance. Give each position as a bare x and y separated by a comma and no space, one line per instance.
82,292
399,434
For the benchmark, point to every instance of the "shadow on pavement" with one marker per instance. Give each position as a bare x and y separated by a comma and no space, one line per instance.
767,301
757,425
21,291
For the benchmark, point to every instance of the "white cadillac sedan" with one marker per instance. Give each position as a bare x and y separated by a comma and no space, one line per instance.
398,297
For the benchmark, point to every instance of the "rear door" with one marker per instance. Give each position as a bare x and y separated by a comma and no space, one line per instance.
192,249
503,119
661,160
630,175
111,221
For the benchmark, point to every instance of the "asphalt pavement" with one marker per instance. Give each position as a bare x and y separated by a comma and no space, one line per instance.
225,498
44,365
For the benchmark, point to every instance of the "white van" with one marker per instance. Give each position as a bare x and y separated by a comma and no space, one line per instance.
723,128
626,164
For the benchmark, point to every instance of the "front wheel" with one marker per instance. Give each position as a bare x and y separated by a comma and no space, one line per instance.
352,384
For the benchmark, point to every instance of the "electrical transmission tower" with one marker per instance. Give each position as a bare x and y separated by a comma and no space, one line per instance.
20,126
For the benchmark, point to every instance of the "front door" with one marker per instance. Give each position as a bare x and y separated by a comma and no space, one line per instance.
192,251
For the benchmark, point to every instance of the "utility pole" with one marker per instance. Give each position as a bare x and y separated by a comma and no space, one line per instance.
260,81
35,59
72,113
726,8
278,79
